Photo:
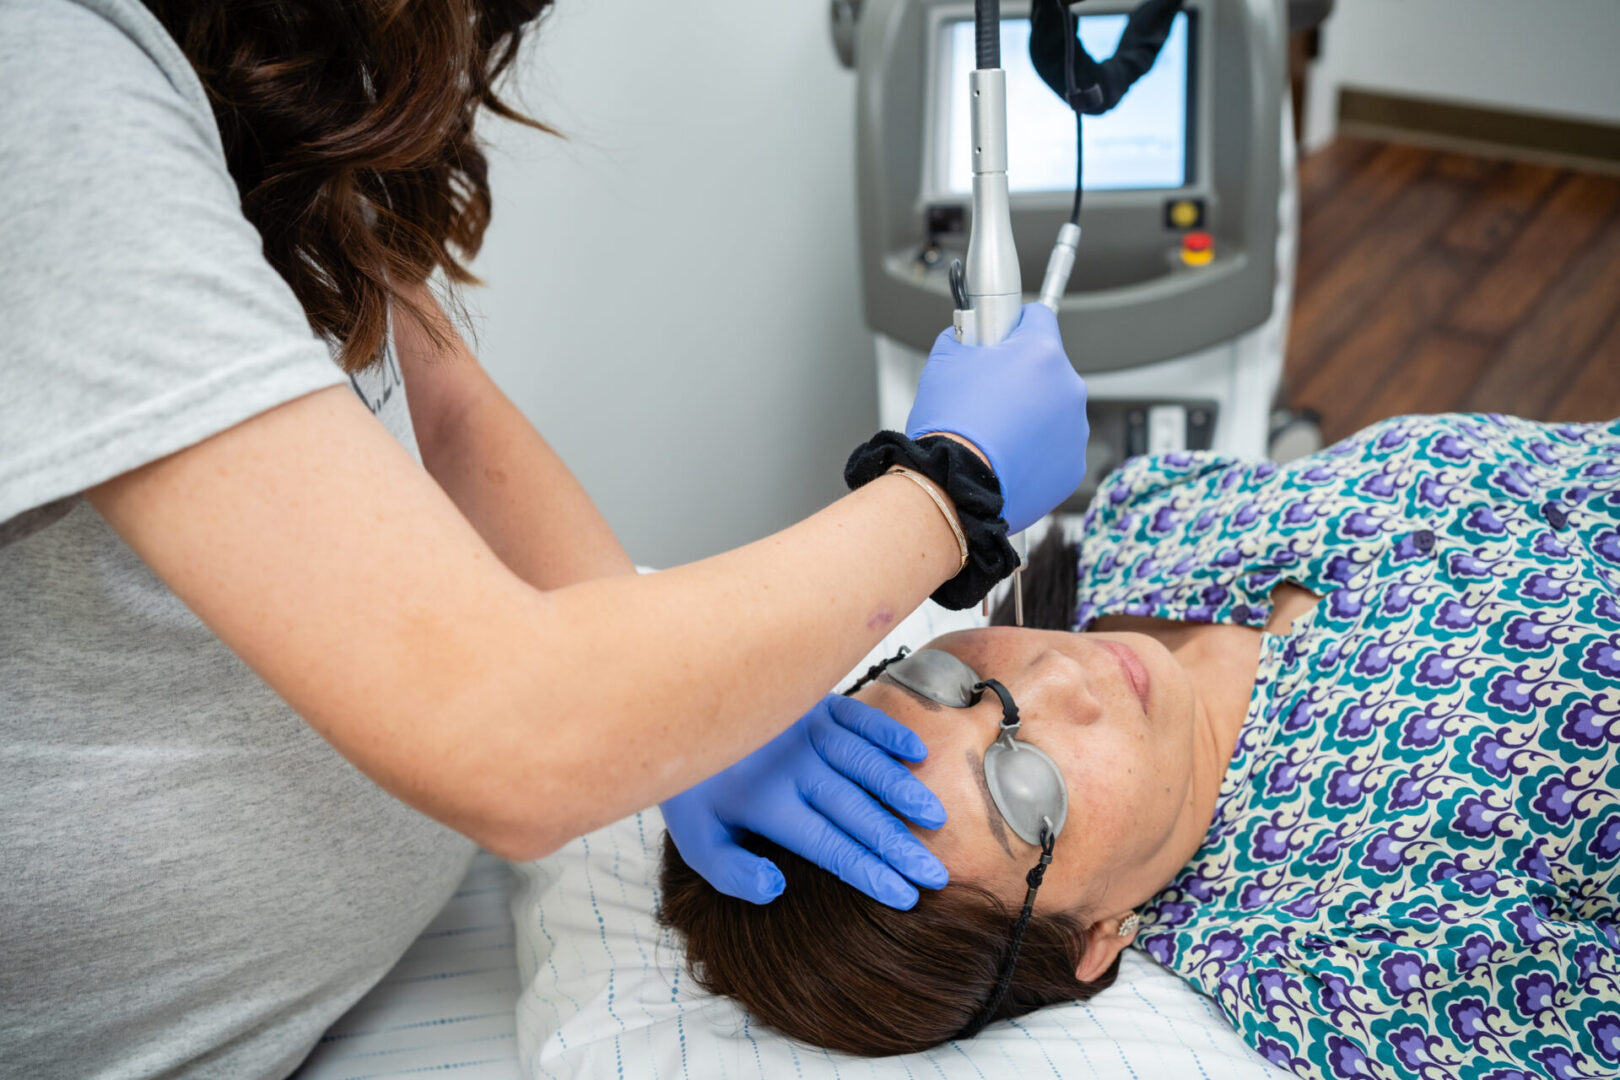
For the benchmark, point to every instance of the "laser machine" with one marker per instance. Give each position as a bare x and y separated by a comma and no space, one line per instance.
1176,309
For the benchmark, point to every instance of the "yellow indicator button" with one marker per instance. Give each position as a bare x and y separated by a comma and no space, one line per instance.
1198,249
1184,213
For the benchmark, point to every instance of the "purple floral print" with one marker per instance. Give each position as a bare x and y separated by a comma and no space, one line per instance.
1414,867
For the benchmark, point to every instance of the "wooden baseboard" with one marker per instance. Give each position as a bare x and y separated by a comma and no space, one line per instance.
1553,140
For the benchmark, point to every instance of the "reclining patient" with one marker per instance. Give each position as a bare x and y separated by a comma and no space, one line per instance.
1344,733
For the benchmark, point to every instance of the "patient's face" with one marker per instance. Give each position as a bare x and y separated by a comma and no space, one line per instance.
1128,766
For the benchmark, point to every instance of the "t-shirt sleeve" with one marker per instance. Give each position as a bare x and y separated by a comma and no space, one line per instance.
138,315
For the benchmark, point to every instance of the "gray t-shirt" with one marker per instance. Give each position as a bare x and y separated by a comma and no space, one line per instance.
192,882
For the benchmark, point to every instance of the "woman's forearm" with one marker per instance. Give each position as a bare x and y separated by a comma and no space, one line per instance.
524,501
747,640
500,472
312,545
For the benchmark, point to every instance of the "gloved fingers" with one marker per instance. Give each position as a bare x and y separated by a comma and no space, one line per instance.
877,726
1035,319
738,872
815,838
711,849
889,781
865,821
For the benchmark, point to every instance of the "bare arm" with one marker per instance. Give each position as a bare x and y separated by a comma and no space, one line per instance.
498,470
310,542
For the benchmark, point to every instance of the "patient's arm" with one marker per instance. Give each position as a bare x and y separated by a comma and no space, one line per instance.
501,474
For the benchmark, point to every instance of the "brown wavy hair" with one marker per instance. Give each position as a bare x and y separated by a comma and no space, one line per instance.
348,128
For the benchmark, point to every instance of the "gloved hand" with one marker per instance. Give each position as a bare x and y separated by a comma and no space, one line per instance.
803,791
1020,402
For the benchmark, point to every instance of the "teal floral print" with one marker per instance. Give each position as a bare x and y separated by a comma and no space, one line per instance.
1414,867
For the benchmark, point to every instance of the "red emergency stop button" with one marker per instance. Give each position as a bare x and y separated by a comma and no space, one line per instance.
1197,248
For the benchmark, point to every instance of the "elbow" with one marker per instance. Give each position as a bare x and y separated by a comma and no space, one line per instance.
523,829
524,796
519,842
441,431
520,849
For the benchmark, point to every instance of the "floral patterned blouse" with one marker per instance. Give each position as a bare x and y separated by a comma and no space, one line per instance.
1414,867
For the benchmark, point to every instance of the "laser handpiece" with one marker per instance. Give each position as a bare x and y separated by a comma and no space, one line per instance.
992,283
989,292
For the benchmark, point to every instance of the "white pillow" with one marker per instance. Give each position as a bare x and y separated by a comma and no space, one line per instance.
606,992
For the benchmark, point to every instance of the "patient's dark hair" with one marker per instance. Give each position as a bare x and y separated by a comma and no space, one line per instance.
828,965
1051,587
825,964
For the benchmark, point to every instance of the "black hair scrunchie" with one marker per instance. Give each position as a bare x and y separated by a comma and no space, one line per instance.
972,487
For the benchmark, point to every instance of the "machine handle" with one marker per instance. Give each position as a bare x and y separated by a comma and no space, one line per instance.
994,284
1060,265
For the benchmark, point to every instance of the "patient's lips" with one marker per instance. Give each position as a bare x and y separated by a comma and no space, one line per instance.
1136,672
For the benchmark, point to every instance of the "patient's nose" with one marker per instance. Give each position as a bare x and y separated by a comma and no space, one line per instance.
1061,690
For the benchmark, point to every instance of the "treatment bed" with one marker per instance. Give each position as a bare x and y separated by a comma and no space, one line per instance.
558,969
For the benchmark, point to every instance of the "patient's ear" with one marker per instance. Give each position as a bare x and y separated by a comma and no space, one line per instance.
1103,943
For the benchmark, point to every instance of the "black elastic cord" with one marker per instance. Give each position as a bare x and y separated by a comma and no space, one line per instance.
875,670
1004,981
1009,710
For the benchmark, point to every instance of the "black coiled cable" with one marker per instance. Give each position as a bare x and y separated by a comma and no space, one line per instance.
1071,97
987,32
1053,44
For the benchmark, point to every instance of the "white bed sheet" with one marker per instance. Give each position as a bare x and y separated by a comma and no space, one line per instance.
603,993
606,995
448,1007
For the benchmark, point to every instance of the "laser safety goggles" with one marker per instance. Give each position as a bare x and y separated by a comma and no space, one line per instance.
1025,784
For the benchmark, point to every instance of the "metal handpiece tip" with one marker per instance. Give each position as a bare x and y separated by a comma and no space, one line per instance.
1018,597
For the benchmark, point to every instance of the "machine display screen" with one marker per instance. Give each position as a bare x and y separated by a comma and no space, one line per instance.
1142,144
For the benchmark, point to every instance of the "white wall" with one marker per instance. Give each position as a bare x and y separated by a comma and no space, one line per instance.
1560,57
672,291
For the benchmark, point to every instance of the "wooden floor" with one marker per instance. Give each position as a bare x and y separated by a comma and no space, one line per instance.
1434,282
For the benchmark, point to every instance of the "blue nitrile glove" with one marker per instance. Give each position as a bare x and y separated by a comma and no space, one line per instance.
1021,402
803,791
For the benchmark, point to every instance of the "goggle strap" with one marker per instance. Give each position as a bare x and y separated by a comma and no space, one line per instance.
1009,709
1037,873
1004,980
876,669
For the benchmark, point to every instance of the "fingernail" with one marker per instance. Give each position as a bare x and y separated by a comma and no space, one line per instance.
770,882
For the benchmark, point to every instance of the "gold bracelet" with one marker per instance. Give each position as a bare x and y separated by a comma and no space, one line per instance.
944,508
